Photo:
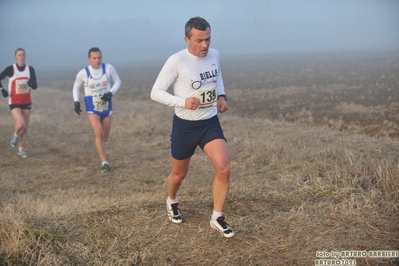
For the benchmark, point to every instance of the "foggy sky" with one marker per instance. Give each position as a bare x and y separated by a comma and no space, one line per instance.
56,33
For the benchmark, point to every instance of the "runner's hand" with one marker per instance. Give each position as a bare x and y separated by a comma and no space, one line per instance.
77,108
30,84
4,92
192,103
222,105
107,96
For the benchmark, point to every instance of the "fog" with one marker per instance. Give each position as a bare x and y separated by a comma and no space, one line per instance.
60,33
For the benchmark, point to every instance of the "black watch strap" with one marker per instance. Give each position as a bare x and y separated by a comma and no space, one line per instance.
224,96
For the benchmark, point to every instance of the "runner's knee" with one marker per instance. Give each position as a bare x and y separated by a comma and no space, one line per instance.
224,172
177,177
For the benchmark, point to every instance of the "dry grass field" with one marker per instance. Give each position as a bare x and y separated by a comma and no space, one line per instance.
314,154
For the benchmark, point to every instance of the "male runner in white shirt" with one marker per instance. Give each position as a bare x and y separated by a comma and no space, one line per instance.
198,95
100,82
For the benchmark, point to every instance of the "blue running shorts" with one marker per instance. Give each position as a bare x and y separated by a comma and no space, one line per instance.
94,105
187,135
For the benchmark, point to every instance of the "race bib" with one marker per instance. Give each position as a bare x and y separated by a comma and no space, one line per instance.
99,105
207,97
21,87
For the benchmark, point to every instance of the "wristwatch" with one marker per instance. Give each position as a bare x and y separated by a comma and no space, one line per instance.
224,96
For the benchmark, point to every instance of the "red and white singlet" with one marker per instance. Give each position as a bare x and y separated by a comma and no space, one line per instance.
18,87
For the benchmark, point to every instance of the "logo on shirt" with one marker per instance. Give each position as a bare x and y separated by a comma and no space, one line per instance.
207,77
196,84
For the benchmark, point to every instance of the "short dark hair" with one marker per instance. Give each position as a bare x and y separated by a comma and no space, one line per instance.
19,49
94,49
196,23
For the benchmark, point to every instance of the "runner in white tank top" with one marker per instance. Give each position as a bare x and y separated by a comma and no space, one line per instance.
100,82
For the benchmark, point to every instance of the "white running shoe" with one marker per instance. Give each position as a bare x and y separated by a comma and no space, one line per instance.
14,140
22,153
173,212
222,227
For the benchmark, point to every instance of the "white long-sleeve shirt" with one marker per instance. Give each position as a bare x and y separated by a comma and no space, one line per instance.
190,76
97,85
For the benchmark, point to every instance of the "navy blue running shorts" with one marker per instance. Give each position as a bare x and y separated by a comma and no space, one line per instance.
187,135
22,106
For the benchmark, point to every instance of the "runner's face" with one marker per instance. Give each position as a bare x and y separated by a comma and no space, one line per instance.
198,43
95,59
20,58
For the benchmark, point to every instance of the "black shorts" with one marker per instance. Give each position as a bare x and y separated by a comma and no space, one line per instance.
22,106
187,135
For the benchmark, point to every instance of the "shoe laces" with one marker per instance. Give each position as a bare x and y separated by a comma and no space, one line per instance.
175,208
222,223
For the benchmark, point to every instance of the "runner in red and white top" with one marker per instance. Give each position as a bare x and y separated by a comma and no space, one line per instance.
21,80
